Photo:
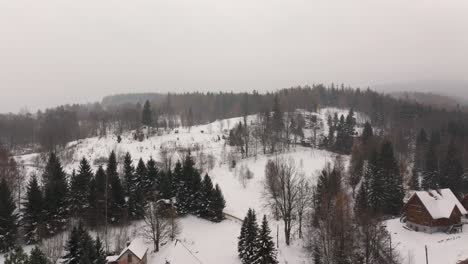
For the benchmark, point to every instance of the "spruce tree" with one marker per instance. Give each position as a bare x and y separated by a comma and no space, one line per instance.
55,195
165,185
393,180
116,194
431,171
141,193
81,248
266,252
207,197
8,218
80,188
195,194
153,179
32,210
131,188
181,188
73,247
17,257
367,133
451,175
38,257
147,115
362,198
100,254
90,214
376,193
100,201
241,243
218,204
251,246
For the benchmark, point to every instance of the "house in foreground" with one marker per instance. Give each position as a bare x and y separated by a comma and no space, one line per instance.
136,252
434,211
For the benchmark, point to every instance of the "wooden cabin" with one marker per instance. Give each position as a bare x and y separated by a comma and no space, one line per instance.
434,211
135,253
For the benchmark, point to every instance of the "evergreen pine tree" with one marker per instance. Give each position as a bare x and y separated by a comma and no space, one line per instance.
129,174
8,218
141,194
80,188
55,195
38,257
147,115
393,180
266,252
32,210
72,248
367,133
153,179
376,193
17,257
116,194
181,189
218,204
362,198
195,197
241,243
165,185
431,172
100,200
451,175
81,248
131,186
207,198
100,257
251,233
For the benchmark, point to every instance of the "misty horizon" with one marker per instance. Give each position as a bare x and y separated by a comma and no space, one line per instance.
66,52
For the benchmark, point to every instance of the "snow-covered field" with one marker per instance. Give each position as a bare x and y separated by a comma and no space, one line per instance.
442,248
202,241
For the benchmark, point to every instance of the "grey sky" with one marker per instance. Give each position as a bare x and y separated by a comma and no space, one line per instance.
63,51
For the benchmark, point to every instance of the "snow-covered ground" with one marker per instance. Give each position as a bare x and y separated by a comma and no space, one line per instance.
202,241
442,248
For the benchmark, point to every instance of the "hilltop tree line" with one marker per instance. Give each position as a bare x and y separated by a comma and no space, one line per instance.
104,196
401,119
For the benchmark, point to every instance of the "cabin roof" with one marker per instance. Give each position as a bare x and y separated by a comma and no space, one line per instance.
138,247
440,203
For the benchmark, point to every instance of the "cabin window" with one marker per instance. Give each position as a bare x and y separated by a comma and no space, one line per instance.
129,258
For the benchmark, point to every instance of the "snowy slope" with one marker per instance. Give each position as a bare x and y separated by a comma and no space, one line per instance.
202,241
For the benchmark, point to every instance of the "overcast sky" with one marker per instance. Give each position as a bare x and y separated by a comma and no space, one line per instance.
64,51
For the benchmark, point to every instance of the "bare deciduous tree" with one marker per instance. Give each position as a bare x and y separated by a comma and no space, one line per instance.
282,191
159,226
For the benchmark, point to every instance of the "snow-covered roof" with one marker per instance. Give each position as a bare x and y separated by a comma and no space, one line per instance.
112,258
138,247
440,203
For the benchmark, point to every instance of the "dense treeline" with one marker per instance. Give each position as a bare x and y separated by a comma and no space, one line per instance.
401,119
103,197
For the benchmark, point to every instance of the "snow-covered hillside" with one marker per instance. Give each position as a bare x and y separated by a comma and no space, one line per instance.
202,241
